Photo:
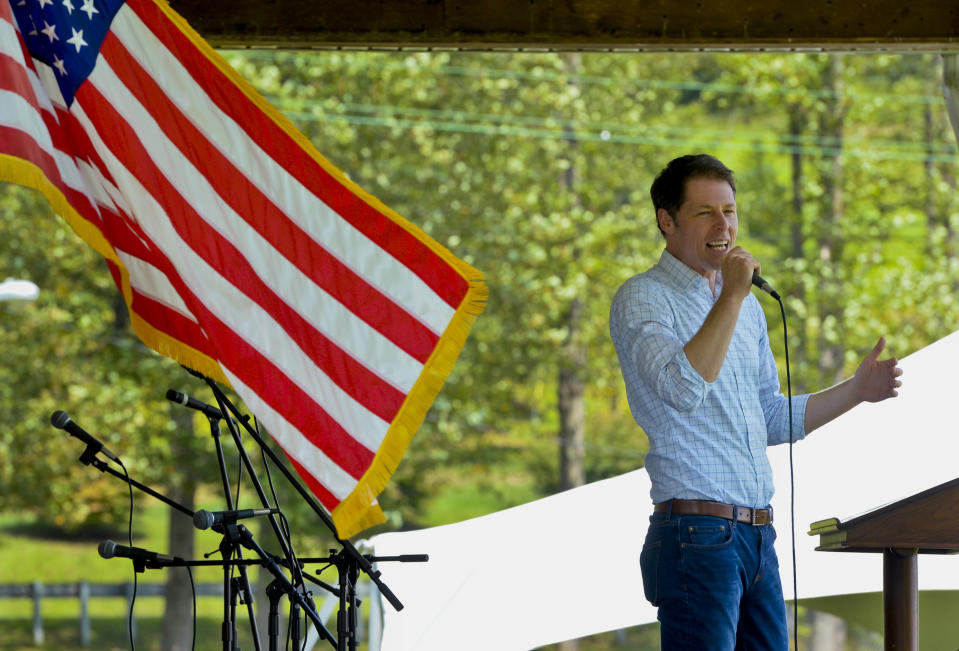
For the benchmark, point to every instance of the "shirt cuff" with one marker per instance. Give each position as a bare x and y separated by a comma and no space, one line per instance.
799,420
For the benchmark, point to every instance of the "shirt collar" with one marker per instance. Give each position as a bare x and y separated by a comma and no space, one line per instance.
679,272
683,276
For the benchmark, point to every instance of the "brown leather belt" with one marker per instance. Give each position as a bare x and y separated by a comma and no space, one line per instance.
743,514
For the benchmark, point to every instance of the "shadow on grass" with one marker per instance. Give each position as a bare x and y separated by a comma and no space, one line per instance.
38,530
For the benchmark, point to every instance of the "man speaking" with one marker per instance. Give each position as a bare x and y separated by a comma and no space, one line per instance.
702,383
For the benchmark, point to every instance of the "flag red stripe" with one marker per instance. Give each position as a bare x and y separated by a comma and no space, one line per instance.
15,79
436,272
70,136
327,499
19,144
338,280
289,400
354,378
174,323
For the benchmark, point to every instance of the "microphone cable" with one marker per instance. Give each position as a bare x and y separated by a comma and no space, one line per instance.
133,596
792,477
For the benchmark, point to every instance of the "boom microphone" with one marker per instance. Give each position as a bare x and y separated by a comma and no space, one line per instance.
61,420
109,549
208,410
763,285
204,519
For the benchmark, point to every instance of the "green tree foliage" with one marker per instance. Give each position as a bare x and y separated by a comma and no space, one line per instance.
535,168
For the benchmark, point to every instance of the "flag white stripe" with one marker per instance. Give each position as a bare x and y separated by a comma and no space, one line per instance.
295,444
364,257
96,184
150,281
40,91
18,113
10,42
47,79
247,319
342,327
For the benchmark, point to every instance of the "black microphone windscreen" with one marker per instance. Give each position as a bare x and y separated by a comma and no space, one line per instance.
203,519
107,549
59,419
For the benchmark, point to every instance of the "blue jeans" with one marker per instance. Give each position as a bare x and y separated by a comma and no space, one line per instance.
715,582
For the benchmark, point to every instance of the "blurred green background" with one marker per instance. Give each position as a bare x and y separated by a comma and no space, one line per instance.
534,168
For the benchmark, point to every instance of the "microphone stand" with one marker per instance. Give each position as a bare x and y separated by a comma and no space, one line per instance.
227,548
302,600
89,458
347,546
348,560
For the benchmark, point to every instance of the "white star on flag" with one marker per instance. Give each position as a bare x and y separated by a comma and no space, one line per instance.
89,9
44,3
77,39
50,31
69,6
58,64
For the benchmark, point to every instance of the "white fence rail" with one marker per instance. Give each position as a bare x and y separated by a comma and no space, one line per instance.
369,628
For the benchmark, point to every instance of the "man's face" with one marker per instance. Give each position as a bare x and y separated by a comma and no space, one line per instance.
705,227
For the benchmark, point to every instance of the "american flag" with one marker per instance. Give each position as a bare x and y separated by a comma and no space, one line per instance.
241,252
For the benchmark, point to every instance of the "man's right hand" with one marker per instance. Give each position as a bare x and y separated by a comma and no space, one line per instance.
738,268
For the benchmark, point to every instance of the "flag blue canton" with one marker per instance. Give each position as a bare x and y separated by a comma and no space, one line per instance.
66,35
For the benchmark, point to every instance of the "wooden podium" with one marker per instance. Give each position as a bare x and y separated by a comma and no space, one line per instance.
925,523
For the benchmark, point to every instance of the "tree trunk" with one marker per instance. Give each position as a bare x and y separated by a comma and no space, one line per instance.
572,409
571,387
832,244
796,121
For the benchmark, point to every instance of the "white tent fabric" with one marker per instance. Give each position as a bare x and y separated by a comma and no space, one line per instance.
567,565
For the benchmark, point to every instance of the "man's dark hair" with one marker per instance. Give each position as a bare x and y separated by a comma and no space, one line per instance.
669,188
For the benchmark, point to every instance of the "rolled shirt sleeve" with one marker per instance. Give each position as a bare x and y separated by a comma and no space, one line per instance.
656,354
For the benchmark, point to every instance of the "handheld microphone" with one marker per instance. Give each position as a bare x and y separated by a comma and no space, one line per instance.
759,282
61,420
204,519
109,549
208,410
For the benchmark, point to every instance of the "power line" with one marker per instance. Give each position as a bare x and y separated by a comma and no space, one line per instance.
674,137
564,126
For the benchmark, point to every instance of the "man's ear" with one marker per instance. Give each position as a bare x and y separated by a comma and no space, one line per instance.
666,221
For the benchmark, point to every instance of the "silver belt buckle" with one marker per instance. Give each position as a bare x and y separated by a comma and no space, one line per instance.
753,515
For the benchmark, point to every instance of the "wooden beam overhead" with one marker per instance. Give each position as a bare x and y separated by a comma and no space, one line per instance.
654,25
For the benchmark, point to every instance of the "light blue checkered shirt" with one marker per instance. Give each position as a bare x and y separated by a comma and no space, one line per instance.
706,440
